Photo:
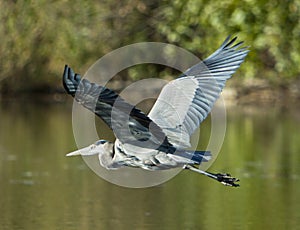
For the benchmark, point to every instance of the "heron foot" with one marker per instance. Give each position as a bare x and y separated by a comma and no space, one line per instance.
224,178
227,179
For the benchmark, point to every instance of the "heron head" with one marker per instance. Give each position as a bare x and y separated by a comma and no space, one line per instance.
93,149
103,149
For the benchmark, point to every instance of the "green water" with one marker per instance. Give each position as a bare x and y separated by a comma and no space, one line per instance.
42,189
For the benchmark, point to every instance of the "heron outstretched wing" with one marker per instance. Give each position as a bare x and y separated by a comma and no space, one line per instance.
185,102
129,124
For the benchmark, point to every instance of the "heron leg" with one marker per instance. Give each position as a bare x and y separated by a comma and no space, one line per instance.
225,178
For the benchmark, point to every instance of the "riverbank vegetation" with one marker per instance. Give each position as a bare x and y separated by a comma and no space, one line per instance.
39,37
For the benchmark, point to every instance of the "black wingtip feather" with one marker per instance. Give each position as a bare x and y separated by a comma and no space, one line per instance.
70,80
228,44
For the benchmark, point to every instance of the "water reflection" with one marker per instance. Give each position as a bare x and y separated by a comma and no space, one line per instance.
42,189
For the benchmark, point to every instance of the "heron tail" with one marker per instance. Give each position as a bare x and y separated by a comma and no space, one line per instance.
200,156
197,157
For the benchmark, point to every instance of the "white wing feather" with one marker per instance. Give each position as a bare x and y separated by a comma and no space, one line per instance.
185,102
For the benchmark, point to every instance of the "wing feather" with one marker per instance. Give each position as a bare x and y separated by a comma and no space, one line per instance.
185,102
129,124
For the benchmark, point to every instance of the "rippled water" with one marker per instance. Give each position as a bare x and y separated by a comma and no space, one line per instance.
42,189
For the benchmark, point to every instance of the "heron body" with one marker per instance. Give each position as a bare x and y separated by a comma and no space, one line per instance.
114,155
159,140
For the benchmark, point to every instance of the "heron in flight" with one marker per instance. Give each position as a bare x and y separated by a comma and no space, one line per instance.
159,140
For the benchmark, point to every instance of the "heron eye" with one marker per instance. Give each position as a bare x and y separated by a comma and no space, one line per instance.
100,142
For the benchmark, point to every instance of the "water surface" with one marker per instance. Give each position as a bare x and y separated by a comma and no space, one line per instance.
42,189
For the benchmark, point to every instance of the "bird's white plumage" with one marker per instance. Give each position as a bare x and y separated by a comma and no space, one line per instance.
185,102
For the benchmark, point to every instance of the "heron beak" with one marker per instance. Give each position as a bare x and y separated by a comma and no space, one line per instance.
75,153
78,152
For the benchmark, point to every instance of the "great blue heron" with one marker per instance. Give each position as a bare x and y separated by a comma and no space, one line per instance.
159,140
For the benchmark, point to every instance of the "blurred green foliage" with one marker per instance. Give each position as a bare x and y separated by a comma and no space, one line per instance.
39,37
272,28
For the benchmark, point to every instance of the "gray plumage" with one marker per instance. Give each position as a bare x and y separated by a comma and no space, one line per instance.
159,140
